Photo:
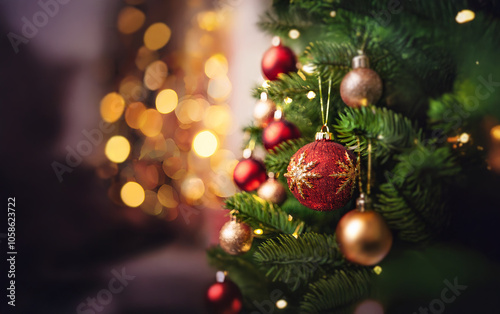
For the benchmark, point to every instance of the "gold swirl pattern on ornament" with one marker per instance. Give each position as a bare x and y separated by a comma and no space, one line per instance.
349,174
300,174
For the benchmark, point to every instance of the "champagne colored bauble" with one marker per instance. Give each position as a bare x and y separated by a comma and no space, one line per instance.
322,174
236,237
276,60
263,112
362,86
224,298
272,191
278,132
249,174
363,237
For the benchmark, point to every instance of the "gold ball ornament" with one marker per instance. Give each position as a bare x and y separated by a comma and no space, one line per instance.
362,235
263,112
236,237
361,86
272,191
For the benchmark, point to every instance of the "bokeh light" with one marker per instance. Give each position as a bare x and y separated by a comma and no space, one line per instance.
207,20
151,122
157,36
193,188
151,205
311,95
167,196
205,144
130,20
465,16
131,89
281,304
216,66
112,106
219,88
218,118
155,75
294,34
166,101
495,133
154,147
117,149
191,110
133,115
145,57
132,194
174,167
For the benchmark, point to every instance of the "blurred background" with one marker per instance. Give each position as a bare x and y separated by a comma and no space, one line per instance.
120,129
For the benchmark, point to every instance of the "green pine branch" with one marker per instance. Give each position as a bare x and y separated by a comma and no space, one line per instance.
253,284
342,287
254,133
413,200
295,261
390,132
260,214
278,160
331,59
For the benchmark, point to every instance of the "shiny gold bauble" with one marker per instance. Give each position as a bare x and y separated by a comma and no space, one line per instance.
263,112
363,237
236,237
361,87
272,191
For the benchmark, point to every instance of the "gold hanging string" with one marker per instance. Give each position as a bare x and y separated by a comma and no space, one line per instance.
251,143
324,117
360,182
328,102
369,176
321,100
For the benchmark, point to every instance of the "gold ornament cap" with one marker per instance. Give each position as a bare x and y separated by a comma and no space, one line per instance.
363,203
360,61
324,134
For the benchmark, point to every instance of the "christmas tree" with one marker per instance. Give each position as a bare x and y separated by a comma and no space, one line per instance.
378,135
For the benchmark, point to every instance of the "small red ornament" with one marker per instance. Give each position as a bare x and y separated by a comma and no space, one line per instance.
361,86
249,174
277,132
276,60
321,174
224,298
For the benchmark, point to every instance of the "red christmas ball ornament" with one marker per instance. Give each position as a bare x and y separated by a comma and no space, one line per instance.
249,174
322,174
277,132
276,60
224,298
362,86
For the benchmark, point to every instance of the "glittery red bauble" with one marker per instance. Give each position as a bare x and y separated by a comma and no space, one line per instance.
277,132
224,298
321,175
276,60
361,87
249,174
